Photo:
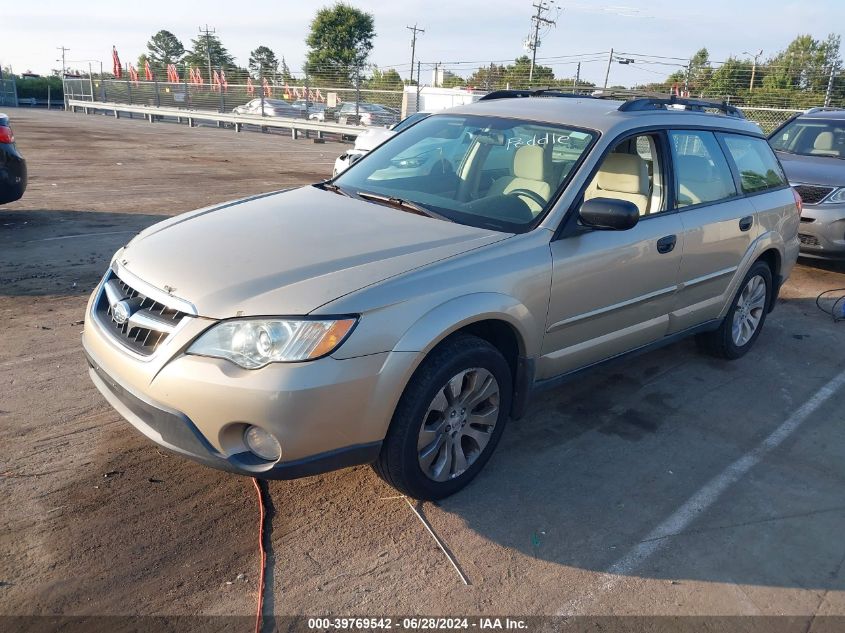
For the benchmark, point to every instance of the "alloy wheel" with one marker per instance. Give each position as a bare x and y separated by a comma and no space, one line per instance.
750,307
458,424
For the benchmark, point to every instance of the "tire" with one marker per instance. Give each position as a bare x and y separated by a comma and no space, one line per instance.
432,428
729,342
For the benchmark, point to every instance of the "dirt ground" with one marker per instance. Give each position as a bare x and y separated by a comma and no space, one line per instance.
577,512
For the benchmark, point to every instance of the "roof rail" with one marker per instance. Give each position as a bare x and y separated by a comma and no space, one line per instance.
696,105
532,92
823,109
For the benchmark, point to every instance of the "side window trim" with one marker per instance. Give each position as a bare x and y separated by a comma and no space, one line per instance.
720,139
732,163
738,193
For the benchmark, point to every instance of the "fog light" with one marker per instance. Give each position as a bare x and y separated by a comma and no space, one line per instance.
262,443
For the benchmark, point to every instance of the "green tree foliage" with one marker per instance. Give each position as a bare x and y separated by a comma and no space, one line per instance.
383,80
164,48
732,77
804,64
340,41
285,72
220,56
263,62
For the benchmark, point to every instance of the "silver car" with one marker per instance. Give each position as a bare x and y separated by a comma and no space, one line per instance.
811,147
402,321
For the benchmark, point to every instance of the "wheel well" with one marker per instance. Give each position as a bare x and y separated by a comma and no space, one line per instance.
500,335
772,259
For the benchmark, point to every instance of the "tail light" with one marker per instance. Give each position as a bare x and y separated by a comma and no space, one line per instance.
798,201
6,135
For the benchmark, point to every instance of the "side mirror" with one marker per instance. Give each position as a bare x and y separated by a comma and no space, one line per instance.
609,214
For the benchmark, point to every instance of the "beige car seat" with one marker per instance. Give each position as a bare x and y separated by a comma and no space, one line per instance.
531,172
698,182
823,145
623,177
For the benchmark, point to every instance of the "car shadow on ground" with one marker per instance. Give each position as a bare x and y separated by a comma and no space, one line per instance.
598,464
58,252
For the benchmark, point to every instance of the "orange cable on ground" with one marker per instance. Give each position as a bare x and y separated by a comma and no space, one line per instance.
263,555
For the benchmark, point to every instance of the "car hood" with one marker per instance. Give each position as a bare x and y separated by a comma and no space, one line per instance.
288,253
813,170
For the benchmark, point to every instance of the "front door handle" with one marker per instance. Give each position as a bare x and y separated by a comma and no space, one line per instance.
666,244
746,222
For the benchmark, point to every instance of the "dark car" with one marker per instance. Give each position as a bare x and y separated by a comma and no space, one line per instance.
12,165
366,114
811,147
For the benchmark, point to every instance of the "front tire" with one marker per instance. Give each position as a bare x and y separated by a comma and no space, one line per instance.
744,321
448,420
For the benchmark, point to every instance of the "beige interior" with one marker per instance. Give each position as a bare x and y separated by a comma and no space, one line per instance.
823,145
698,181
530,171
623,177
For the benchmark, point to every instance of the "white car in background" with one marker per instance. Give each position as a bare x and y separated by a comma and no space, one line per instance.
372,138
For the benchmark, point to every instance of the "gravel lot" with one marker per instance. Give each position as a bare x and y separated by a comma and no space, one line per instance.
651,487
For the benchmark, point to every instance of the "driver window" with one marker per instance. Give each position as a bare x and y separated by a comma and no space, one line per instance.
632,171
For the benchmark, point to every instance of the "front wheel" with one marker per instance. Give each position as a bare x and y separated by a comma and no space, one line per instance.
448,421
744,321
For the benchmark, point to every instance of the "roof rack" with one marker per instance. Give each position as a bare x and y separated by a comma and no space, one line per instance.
695,105
533,92
823,109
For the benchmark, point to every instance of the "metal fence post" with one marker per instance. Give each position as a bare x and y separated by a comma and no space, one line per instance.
222,97
419,66
91,81
158,93
187,94
129,89
829,91
357,92
48,96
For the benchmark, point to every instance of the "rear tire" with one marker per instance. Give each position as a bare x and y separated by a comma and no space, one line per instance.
744,321
448,421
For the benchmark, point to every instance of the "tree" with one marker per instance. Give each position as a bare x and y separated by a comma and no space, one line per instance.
263,62
732,78
804,65
339,42
198,55
451,80
285,71
383,80
164,48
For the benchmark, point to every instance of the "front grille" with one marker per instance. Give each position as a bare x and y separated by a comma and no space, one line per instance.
813,194
146,323
808,240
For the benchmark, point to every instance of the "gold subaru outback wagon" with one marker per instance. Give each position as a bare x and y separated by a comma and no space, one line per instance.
402,312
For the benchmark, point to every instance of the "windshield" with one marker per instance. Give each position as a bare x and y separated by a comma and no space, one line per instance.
811,137
489,172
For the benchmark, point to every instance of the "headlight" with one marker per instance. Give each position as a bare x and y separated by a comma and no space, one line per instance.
837,197
254,343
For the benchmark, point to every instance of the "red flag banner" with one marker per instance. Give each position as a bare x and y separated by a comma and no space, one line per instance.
250,88
133,74
172,74
223,82
268,91
117,70
287,92
148,72
215,81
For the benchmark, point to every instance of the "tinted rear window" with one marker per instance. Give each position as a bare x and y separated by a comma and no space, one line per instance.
758,167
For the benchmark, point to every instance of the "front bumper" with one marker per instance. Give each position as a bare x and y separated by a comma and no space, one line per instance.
822,231
326,414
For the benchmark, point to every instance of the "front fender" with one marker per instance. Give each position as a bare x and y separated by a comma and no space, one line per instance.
450,316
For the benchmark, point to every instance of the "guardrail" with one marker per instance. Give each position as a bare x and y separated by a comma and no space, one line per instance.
151,113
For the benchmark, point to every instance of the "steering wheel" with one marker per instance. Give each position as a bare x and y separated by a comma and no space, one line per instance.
531,195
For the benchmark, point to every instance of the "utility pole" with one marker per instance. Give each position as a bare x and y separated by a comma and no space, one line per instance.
414,30
753,67
542,6
577,76
208,33
829,93
607,73
64,66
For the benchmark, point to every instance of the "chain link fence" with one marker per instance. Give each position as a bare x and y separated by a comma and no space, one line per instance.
8,93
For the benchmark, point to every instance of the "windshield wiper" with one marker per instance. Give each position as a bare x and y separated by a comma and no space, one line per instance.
329,186
405,205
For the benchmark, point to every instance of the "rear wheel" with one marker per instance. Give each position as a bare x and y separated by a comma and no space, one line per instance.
448,421
745,319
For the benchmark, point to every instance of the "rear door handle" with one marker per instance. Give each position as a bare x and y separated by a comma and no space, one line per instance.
746,222
666,244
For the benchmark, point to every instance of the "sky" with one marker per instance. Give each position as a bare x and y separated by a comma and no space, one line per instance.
455,31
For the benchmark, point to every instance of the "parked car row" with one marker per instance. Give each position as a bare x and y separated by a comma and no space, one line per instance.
369,114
